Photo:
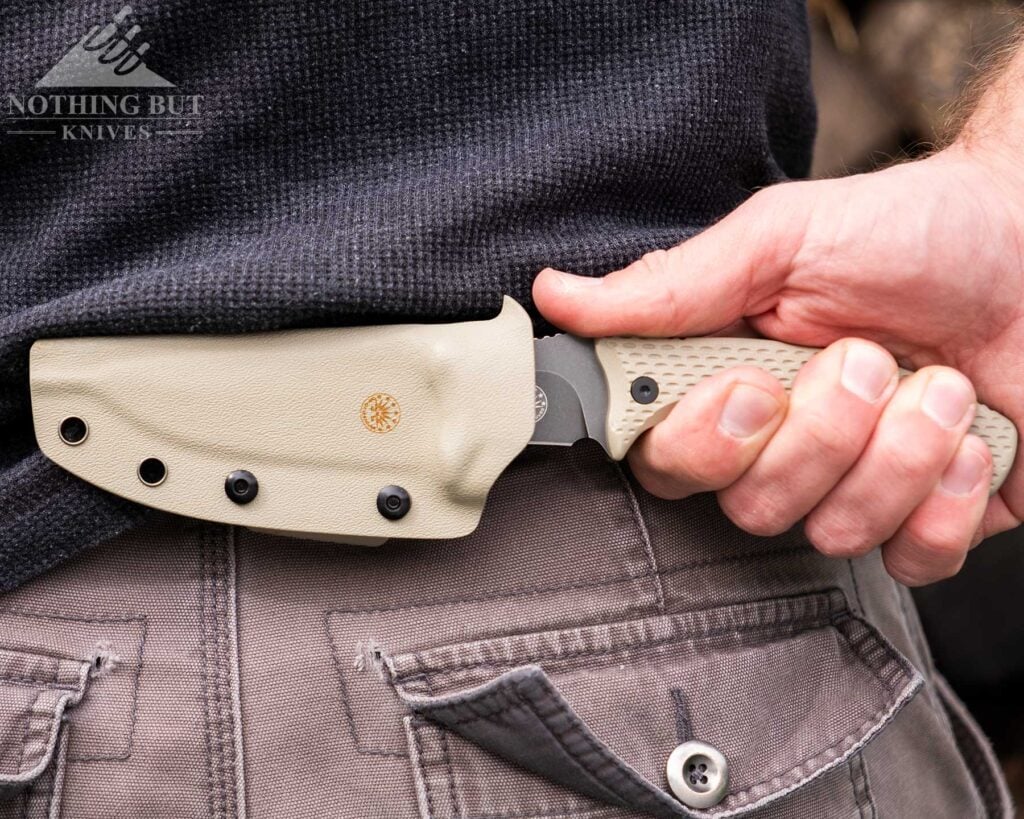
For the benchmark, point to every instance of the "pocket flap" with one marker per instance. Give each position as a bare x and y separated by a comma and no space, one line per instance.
785,689
35,691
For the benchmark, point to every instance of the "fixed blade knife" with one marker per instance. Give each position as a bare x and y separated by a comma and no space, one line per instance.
360,434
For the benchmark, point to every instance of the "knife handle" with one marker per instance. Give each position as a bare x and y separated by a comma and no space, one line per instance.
677,365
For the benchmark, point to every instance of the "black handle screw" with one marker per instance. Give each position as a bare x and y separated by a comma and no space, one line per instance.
644,390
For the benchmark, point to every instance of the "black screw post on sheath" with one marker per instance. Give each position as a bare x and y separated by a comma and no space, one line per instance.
241,486
393,502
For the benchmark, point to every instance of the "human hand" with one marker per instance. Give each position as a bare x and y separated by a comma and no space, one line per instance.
922,263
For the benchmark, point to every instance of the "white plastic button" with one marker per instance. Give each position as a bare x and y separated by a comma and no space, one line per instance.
698,774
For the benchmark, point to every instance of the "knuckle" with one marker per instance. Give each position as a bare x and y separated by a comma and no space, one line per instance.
936,545
838,537
658,483
761,515
910,464
661,488
688,461
708,473
914,572
672,473
830,440
905,575
684,461
656,263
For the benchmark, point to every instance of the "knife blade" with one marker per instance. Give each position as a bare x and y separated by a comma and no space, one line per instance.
614,389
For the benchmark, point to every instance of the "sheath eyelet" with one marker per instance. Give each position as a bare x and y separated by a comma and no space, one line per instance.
73,430
152,472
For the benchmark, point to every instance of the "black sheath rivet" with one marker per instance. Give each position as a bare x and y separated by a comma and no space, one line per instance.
393,502
644,390
73,430
152,472
241,486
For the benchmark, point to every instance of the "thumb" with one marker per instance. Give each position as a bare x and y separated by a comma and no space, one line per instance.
733,269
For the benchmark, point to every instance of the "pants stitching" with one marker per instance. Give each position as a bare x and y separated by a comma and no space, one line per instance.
235,675
645,536
447,757
592,584
345,704
204,678
423,766
218,712
133,719
856,587
856,767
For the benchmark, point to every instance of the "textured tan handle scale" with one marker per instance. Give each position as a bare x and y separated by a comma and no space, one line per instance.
679,364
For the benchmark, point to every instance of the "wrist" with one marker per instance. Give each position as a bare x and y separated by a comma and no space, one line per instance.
991,177
993,167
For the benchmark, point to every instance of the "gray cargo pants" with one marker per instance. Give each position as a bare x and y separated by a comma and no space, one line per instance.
545,666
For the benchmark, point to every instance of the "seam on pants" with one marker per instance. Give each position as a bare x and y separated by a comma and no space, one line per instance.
345,700
135,708
453,792
218,713
235,670
424,797
752,556
914,631
645,535
858,770
915,635
60,763
856,588
684,727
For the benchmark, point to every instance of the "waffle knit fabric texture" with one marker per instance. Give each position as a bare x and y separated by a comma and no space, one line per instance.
365,163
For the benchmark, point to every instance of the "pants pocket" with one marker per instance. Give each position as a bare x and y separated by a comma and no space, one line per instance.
583,721
36,692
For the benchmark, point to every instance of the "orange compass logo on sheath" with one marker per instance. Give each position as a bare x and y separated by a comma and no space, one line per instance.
380,412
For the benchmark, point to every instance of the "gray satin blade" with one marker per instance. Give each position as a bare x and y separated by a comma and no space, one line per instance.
571,400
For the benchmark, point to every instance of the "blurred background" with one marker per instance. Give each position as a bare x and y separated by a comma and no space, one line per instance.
888,74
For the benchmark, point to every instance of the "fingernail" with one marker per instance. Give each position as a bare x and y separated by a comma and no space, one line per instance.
967,470
947,400
867,371
747,410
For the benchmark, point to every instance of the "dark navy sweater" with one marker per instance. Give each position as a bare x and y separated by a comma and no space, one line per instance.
351,162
